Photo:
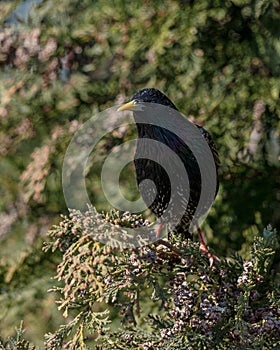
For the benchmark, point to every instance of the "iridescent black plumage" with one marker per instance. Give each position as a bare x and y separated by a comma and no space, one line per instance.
149,169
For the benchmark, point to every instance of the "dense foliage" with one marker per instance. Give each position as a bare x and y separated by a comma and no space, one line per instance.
61,62
166,300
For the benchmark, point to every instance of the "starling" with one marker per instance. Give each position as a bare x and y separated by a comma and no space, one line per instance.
149,169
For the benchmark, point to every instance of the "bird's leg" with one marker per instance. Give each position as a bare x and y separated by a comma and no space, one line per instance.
204,250
158,233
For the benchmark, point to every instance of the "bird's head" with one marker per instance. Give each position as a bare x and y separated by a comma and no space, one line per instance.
151,95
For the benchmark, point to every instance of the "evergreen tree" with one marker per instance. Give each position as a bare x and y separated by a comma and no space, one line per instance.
60,63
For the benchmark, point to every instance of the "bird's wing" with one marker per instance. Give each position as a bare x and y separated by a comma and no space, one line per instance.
211,144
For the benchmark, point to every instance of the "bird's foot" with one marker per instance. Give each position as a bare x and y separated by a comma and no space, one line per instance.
168,245
204,250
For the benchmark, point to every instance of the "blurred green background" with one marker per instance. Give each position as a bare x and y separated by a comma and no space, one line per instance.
60,62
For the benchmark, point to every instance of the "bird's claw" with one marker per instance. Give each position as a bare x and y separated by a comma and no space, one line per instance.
212,258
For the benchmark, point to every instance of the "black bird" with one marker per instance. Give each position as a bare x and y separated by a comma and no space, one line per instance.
159,198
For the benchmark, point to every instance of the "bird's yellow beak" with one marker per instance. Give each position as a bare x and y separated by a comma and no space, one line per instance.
131,106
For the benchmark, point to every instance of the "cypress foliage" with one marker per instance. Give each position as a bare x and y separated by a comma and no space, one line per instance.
61,62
